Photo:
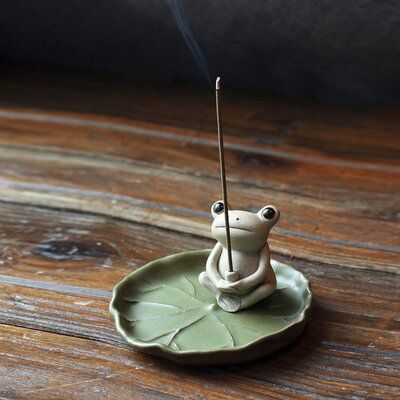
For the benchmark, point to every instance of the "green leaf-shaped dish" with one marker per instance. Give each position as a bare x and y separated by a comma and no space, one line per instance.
162,309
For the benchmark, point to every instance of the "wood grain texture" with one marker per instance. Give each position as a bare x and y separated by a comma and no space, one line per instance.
49,283
323,206
97,180
67,367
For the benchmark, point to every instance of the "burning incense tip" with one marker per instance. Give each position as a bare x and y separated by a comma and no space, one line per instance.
218,83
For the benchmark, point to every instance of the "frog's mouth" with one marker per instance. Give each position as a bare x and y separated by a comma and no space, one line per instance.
232,227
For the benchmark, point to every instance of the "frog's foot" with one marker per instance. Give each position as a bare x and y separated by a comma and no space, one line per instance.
258,294
229,302
207,283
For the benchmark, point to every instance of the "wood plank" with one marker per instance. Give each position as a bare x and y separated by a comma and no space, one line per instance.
350,347
67,248
306,126
120,164
58,366
142,193
137,168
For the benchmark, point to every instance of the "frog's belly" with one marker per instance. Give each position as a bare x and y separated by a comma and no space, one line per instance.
244,263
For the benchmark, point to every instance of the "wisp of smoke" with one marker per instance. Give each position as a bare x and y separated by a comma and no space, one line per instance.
187,34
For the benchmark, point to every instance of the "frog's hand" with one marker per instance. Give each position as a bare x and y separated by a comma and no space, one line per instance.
212,264
225,286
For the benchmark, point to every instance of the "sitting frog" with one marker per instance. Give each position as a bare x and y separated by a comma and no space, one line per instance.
253,278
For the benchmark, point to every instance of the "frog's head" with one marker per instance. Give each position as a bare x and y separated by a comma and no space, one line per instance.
249,231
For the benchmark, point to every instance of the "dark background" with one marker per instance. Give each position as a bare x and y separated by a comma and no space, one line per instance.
336,50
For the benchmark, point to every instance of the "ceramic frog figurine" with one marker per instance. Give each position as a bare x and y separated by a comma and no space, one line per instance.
253,278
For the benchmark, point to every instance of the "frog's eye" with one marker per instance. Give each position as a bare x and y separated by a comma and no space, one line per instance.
218,207
268,213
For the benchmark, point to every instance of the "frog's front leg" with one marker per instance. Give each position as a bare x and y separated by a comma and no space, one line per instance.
264,273
211,276
212,265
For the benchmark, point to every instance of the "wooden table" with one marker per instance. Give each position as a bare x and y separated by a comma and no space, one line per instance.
98,178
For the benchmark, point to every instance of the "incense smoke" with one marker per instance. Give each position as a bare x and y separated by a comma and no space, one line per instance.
177,10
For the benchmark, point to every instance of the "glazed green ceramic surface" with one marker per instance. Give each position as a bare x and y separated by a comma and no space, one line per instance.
163,308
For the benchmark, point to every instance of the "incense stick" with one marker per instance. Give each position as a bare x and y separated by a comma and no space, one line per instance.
222,168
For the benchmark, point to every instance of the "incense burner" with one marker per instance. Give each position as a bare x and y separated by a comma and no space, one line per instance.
240,275
241,307
162,309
